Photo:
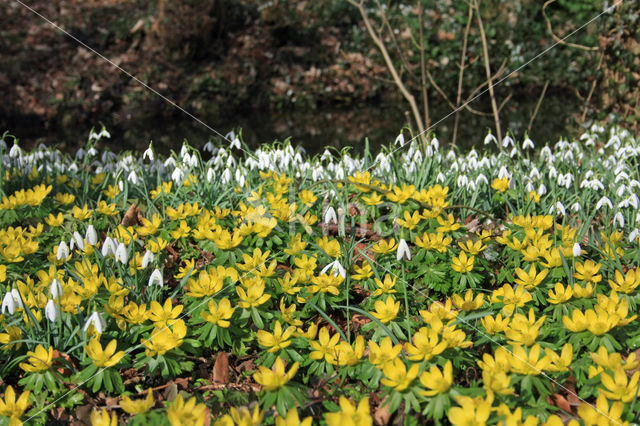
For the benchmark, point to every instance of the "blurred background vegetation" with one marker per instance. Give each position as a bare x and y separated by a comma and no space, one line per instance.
312,70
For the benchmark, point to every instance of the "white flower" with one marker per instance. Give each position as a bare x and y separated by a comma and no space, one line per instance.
170,162
92,152
108,247
399,140
184,151
490,138
560,208
403,250
513,152
210,174
133,177
209,147
527,144
507,141
633,235
577,250
148,153
177,175
52,311
462,180
77,240
120,185
91,235
435,143
603,201
504,173
56,289
104,134
330,216
235,143
63,251
336,268
542,189
440,178
15,151
156,277
97,321
8,304
226,176
121,254
620,190
618,218
576,207
147,259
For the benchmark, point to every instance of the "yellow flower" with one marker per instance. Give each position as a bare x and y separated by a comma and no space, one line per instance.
410,220
561,362
330,246
530,279
462,263
296,245
560,294
497,381
528,363
64,198
112,191
523,330
627,283
11,408
576,323
469,303
150,227
386,352
345,354
54,221
426,345
500,185
614,360
253,297
272,379
106,209
181,413
81,213
588,271
350,415
436,380
326,283
102,418
511,298
293,419
372,200
401,194
242,416
208,283
362,272
580,292
384,246
603,414
385,287
364,179
397,376
138,406
165,339
13,333
161,315
219,314
533,196
103,358
277,340
38,360
473,411
307,197
495,325
472,247
325,346
386,311
433,241
619,386
447,225
181,231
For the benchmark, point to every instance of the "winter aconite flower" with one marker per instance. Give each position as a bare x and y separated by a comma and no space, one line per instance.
277,340
386,311
38,360
186,413
137,406
12,408
107,357
103,418
349,414
397,376
272,379
436,380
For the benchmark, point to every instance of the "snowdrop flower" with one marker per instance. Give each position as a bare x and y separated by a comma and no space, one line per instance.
451,156
440,178
553,173
336,268
186,158
633,201
210,174
399,140
108,247
462,180
507,142
15,151
618,218
481,178
209,147
121,254
121,185
92,152
235,143
633,235
156,277
528,143
435,143
184,151
177,175
8,304
97,321
147,259
148,153
91,235
52,311
577,250
55,289
80,154
17,298
490,138
542,189
546,152
77,241
104,134
226,176
330,216
170,162
513,152
603,201
403,250
63,251
560,207
576,207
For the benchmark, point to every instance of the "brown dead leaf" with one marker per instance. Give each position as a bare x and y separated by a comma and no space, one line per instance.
130,218
561,402
220,372
382,415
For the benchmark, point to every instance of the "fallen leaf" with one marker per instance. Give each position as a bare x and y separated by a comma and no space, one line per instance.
130,218
382,415
221,369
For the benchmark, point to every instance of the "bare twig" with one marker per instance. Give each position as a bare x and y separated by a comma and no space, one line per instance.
463,57
448,101
593,88
558,39
535,111
504,101
487,67
425,99
392,69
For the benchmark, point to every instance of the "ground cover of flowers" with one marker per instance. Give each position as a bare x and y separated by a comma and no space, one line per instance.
418,286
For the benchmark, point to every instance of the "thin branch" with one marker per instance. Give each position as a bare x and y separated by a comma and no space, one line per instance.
593,87
463,57
487,67
535,111
425,98
453,107
504,101
558,39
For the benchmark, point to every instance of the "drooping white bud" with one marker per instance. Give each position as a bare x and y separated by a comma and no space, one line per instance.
56,289
330,216
97,321
147,259
52,311
577,250
63,251
121,254
156,277
403,250
91,235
